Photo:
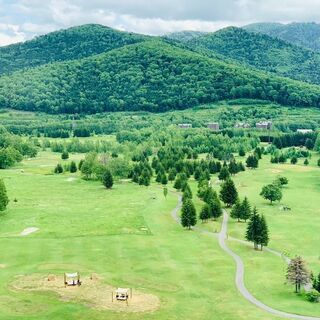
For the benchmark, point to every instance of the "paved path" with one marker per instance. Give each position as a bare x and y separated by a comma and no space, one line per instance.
239,279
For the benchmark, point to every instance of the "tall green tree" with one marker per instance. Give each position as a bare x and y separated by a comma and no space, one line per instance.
257,230
245,209
4,200
215,208
236,212
188,214
228,193
205,212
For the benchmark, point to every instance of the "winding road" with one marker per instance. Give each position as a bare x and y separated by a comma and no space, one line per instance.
239,278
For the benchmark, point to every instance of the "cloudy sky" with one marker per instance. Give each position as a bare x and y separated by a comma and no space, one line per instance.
23,19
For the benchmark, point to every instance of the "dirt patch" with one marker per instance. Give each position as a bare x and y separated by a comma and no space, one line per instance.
71,179
276,171
3,266
28,231
93,293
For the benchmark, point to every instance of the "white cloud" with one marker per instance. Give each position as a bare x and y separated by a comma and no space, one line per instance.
34,17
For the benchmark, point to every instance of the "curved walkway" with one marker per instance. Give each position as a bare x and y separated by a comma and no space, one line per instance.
239,279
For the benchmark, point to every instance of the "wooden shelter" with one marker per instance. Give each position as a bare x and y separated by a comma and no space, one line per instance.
72,279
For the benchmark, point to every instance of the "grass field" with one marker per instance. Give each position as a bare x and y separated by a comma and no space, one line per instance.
128,237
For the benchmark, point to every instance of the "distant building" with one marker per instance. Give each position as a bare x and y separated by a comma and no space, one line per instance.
242,125
213,126
264,125
304,131
184,125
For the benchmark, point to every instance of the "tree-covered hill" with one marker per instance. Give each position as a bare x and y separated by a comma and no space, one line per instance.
185,35
262,52
152,75
70,44
302,34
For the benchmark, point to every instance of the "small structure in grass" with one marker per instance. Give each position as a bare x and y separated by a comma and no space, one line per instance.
123,294
72,279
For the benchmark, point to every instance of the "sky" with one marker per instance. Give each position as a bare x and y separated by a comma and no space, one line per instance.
21,20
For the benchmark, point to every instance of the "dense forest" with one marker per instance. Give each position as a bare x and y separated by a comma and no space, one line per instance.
73,43
303,34
262,52
151,76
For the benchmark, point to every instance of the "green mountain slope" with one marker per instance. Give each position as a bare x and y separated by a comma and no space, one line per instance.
185,35
151,75
63,45
302,34
262,52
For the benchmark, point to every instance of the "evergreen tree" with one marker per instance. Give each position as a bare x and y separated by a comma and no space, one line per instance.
205,213
264,235
228,193
164,179
159,177
4,200
306,162
177,183
107,179
224,174
257,230
253,228
215,208
252,162
209,195
297,273
294,160
58,169
188,214
236,212
73,167
245,209
65,155
187,193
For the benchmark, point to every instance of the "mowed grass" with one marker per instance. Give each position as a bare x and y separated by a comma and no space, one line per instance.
292,233
84,227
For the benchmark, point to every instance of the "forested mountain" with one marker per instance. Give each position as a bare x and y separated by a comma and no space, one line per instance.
151,75
302,34
70,44
185,35
262,52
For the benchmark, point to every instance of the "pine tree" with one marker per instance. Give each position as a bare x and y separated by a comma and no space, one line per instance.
297,273
209,195
236,212
164,179
73,167
107,179
253,229
65,155
4,200
264,232
58,169
306,162
159,177
228,193
205,212
252,162
224,174
245,209
215,208
257,230
187,193
188,214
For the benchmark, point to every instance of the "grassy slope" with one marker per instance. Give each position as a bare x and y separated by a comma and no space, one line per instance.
293,233
188,271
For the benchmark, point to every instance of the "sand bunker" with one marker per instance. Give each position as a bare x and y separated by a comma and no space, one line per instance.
71,179
28,231
92,293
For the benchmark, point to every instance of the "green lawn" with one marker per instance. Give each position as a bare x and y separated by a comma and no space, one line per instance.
83,227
